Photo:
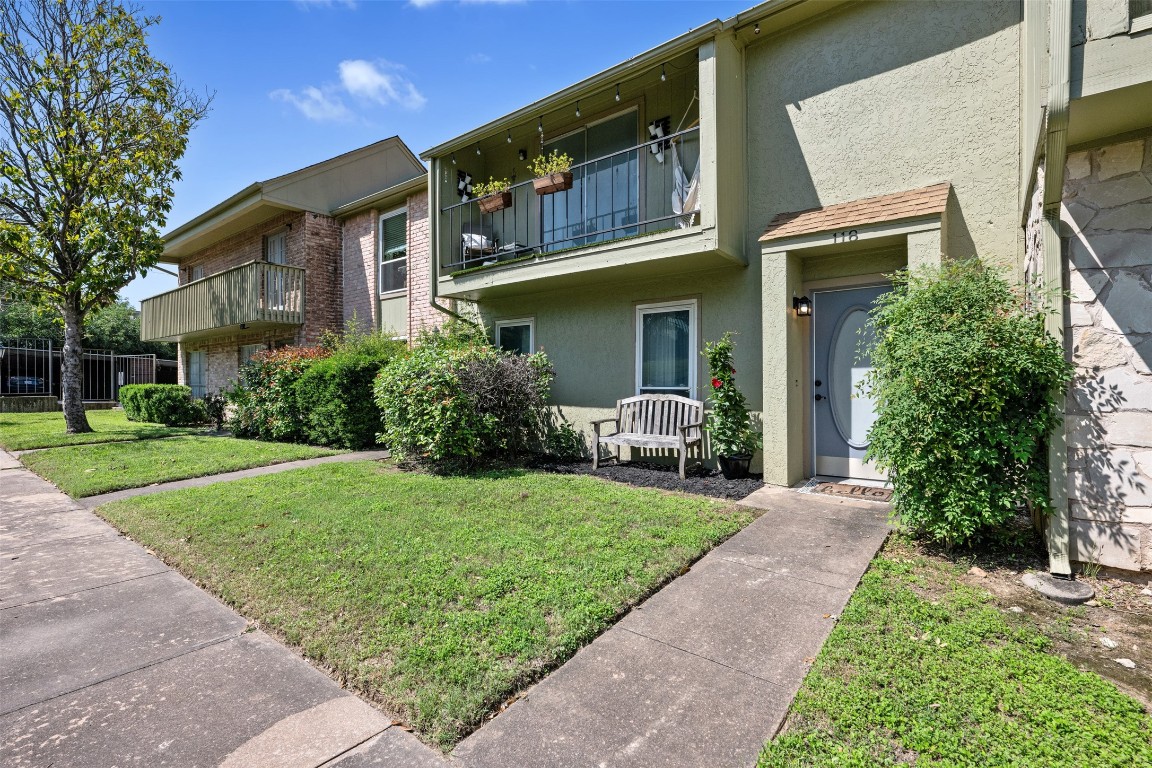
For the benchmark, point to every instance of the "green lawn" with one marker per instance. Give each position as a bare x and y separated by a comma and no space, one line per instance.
87,470
22,431
923,669
437,597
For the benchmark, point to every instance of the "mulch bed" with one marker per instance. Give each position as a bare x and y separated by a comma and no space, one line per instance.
701,480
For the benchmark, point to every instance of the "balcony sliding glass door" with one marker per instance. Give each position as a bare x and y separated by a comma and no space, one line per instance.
603,203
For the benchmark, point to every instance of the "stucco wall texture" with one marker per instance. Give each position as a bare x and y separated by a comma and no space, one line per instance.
865,103
1108,196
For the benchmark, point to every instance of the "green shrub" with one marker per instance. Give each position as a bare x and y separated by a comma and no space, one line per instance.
455,401
265,406
335,396
965,380
168,404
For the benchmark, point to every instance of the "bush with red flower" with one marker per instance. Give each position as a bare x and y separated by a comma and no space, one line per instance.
265,407
729,426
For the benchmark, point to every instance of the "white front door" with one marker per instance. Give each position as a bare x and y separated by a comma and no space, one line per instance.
841,415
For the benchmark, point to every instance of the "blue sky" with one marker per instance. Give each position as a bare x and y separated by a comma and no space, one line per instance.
298,82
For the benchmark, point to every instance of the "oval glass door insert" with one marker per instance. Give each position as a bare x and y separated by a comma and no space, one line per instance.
852,412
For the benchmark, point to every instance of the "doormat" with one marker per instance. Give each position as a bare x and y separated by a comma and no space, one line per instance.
867,492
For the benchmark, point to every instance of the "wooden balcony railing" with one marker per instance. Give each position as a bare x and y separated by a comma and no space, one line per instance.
257,293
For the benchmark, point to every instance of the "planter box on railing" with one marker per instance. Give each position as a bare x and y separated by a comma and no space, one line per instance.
556,182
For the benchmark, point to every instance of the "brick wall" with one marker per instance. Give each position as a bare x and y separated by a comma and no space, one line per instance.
224,353
421,315
247,246
359,263
1108,194
323,294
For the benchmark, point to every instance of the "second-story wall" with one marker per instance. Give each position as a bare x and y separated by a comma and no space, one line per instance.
883,97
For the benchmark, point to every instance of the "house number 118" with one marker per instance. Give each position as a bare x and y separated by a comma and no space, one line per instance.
845,236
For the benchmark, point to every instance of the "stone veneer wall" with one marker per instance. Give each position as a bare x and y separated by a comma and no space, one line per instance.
1108,194
359,255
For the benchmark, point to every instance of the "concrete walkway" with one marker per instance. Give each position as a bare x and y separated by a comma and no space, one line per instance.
91,502
110,658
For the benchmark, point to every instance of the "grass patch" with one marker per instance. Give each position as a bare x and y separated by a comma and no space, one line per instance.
437,597
925,669
87,470
24,431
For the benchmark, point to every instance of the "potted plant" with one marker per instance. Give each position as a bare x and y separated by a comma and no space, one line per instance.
552,173
494,194
733,438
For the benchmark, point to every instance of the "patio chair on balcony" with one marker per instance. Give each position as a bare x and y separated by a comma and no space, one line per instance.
478,243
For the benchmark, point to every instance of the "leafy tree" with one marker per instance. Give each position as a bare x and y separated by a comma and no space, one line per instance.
966,382
115,327
91,127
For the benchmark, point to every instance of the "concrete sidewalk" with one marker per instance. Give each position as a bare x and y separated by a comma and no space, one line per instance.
703,673
111,658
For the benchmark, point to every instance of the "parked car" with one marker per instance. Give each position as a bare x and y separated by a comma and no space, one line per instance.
25,384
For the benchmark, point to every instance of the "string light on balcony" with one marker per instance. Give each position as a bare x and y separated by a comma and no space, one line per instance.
509,135
577,109
540,126
453,158
617,91
663,76
477,149
756,29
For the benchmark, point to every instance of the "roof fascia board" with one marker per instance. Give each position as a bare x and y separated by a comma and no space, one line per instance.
372,201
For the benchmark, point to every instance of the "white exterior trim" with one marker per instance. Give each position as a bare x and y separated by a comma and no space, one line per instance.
693,338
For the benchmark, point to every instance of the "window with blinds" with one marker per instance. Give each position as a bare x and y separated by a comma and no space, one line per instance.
393,269
666,354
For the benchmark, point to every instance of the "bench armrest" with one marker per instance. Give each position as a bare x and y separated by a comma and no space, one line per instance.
596,424
696,425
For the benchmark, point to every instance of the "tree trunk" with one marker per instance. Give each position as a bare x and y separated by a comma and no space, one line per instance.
72,369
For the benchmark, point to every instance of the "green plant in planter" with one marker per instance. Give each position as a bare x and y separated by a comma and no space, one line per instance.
491,187
729,426
546,165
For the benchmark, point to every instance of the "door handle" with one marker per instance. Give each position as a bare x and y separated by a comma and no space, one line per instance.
819,398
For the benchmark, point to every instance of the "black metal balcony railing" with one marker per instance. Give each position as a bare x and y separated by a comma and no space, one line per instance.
631,192
257,292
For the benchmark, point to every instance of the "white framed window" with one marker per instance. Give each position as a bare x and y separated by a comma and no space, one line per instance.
198,373
517,336
1139,15
197,272
276,248
666,355
393,257
247,351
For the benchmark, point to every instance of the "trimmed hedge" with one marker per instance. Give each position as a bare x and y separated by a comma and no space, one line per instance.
334,398
168,404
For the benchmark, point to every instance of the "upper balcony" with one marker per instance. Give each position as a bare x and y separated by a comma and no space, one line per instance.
657,175
252,296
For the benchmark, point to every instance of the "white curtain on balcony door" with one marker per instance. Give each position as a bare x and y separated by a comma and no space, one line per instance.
275,285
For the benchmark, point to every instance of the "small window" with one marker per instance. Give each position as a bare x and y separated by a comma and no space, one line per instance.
197,272
247,351
666,354
198,373
276,248
1139,15
518,336
394,252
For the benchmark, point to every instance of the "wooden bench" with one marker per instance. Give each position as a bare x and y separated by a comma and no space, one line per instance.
668,422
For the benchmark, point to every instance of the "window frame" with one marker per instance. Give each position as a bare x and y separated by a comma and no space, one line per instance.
240,352
380,261
277,234
513,323
692,305
202,369
192,272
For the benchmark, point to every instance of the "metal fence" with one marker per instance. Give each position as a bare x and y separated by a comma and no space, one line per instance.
32,368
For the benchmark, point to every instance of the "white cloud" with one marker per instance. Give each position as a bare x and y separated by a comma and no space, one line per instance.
380,82
314,104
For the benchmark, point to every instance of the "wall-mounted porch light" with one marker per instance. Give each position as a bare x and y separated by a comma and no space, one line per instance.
802,305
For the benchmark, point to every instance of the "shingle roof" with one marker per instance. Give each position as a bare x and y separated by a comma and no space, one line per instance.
912,204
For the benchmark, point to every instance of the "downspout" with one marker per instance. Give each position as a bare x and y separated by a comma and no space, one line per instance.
1055,154
434,241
